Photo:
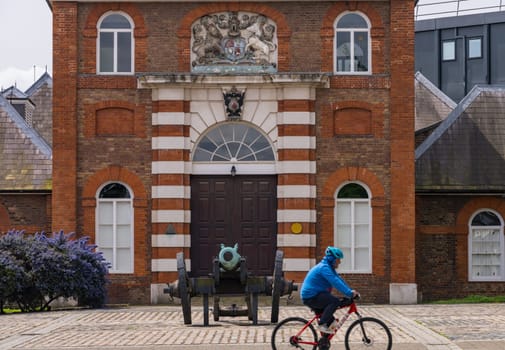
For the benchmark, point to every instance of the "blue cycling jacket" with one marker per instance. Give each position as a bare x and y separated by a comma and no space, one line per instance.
321,278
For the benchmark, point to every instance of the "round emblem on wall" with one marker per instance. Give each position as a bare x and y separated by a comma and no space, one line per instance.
296,227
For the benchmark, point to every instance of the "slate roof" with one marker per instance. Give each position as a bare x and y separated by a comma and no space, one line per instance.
44,79
14,93
466,152
25,158
432,105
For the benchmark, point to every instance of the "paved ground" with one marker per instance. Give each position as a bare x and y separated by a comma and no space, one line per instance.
414,327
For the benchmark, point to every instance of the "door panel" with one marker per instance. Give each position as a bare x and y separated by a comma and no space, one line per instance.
229,210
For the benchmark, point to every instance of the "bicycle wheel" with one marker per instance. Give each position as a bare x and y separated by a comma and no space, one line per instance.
366,333
288,335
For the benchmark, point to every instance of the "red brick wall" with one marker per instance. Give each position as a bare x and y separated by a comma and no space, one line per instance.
65,72
29,212
402,142
442,246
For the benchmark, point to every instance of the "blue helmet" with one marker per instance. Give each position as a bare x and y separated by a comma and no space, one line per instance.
334,252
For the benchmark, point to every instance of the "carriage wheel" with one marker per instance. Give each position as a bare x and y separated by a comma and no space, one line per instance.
277,286
184,290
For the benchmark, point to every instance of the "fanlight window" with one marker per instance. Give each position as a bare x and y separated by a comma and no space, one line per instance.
234,142
486,248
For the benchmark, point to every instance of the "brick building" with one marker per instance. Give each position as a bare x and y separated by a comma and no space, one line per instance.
180,125
25,157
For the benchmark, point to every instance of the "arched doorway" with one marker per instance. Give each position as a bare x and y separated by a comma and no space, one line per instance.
234,197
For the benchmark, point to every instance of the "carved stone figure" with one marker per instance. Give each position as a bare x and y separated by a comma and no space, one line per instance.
233,38
207,44
257,41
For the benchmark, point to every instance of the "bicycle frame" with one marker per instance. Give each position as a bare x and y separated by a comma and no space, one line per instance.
353,309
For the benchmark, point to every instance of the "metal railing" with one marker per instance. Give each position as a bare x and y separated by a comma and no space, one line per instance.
427,9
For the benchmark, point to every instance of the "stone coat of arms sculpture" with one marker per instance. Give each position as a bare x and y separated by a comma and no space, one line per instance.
233,40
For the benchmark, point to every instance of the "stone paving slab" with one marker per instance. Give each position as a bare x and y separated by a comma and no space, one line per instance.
414,327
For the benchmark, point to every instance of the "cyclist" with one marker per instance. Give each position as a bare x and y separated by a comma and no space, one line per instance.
317,285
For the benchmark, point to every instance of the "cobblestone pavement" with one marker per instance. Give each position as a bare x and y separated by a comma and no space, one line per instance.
162,327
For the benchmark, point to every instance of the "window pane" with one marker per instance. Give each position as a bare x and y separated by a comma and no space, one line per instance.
486,218
266,154
233,147
361,212
123,258
244,152
344,236
222,153
448,50
251,136
201,156
361,51
107,254
343,213
352,20
124,52
474,48
123,236
346,263
343,51
105,213
215,136
105,236
352,191
106,52
115,21
114,190
123,213
362,259
362,236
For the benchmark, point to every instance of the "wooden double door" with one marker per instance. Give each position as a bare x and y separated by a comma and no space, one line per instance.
229,210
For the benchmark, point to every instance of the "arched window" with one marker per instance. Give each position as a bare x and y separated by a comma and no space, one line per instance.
353,229
114,226
352,44
486,247
115,44
233,142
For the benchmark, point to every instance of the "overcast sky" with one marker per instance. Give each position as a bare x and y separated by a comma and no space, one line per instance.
25,42
26,36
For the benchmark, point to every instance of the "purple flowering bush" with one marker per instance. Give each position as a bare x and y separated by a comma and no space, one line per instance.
38,269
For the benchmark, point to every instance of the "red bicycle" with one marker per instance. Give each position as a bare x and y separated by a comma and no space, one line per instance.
364,332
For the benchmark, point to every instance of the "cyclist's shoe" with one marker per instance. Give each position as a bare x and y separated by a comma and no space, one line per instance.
323,328
323,343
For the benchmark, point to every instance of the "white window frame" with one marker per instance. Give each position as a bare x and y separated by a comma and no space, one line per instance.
352,202
471,228
352,31
114,201
115,31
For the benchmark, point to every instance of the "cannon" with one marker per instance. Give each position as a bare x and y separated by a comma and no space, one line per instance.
230,277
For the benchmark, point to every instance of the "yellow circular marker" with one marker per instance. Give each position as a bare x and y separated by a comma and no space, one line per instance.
296,227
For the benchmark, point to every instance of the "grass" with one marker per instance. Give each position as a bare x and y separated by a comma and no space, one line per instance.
472,299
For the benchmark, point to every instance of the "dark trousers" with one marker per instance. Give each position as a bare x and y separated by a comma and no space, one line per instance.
325,302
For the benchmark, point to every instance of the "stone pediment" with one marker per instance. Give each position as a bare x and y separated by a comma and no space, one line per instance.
242,42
